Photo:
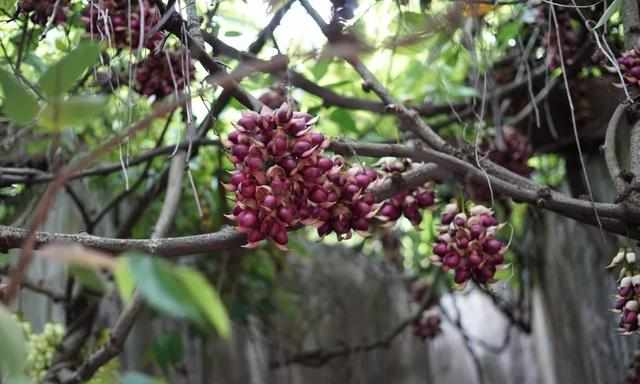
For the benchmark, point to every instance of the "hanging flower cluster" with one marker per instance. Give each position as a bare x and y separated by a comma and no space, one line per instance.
630,66
284,180
628,291
467,244
427,325
568,32
40,11
163,73
123,23
407,203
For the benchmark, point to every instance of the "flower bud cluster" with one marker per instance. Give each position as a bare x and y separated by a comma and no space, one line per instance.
40,11
427,326
408,203
568,32
162,73
282,180
467,244
630,66
627,303
41,350
123,23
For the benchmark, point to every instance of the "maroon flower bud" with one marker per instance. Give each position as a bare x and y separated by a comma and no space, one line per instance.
451,260
475,258
324,229
319,195
255,236
284,114
425,199
476,231
237,178
270,201
247,219
295,125
447,218
311,173
247,190
253,162
317,138
461,276
233,137
362,180
240,151
492,246
300,147
325,164
361,224
286,214
390,212
440,249
289,164
249,121
281,237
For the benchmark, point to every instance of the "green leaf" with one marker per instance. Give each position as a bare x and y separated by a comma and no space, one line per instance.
88,277
167,349
75,111
19,104
139,378
344,120
320,69
205,297
157,282
180,292
608,12
124,278
7,5
232,33
61,76
14,350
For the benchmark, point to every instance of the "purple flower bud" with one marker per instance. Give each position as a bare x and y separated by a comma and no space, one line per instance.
325,164
249,121
324,229
289,164
255,236
447,218
440,249
253,162
361,224
237,178
317,138
247,190
488,221
492,246
247,219
362,180
286,214
233,137
281,236
475,258
284,114
390,212
476,231
311,173
425,199
461,276
240,151
295,125
319,195
300,147
451,260
270,201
